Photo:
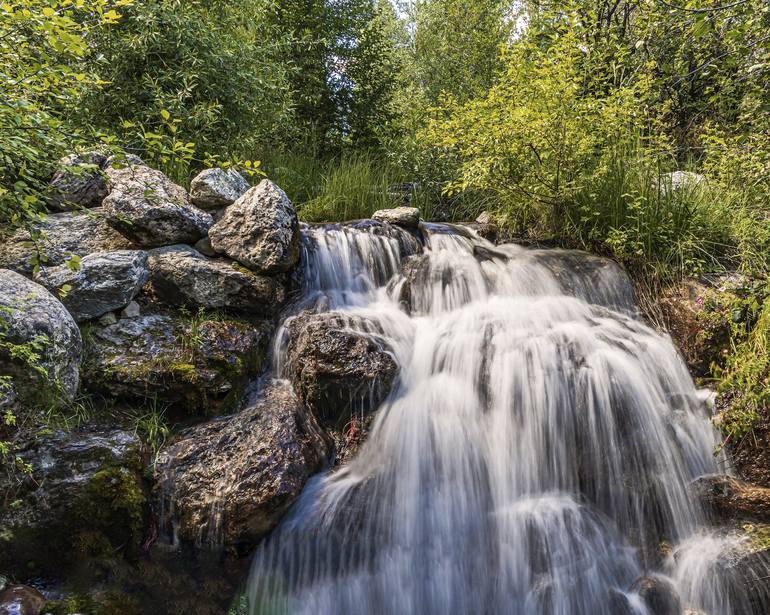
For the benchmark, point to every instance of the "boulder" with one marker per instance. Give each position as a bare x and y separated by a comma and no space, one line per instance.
337,366
179,275
260,230
31,316
104,281
62,235
78,182
21,600
85,490
229,481
132,310
149,208
195,364
408,217
679,180
217,188
727,498
658,595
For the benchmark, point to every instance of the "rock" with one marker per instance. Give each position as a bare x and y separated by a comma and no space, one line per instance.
194,364
204,247
658,595
78,182
78,233
29,314
260,230
401,216
727,498
229,481
678,180
148,207
217,188
21,600
337,367
181,276
108,319
132,310
85,491
105,281
485,218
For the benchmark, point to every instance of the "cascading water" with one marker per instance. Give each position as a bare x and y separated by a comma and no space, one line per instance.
531,460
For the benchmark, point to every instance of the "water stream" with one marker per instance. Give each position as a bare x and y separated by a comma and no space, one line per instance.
532,459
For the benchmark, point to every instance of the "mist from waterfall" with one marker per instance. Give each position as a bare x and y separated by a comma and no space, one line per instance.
532,459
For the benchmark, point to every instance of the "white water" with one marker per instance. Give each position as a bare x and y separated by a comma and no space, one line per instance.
531,460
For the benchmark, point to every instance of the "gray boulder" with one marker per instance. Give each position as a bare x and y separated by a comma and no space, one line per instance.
179,275
260,230
32,316
83,484
338,365
78,182
62,235
105,281
402,216
680,180
198,365
229,481
149,208
658,595
217,188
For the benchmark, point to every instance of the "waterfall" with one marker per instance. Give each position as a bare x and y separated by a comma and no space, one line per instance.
533,458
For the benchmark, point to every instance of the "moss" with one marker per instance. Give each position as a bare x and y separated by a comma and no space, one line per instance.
187,371
758,536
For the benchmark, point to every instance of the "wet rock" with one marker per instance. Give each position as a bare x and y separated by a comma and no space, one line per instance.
104,281
401,216
84,492
180,275
728,498
415,274
338,365
64,234
149,208
260,230
21,600
229,481
78,182
659,595
196,365
30,315
217,188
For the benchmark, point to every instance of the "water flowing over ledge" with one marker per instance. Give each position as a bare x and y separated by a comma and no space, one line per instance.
532,458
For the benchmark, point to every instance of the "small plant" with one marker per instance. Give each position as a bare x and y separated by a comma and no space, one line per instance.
152,427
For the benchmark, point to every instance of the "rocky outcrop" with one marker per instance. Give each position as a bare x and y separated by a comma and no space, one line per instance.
217,188
61,235
197,365
408,217
338,366
729,499
103,282
149,208
229,481
78,182
32,318
260,230
84,492
21,600
180,275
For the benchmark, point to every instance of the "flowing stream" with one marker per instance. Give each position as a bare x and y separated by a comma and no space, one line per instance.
533,457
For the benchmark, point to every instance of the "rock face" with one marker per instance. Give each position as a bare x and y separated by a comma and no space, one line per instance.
401,216
229,481
79,182
336,367
217,188
260,230
659,595
64,234
149,208
21,600
105,281
180,275
29,314
196,365
728,498
85,486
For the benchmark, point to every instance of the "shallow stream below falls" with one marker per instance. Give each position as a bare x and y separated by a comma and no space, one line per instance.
533,458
